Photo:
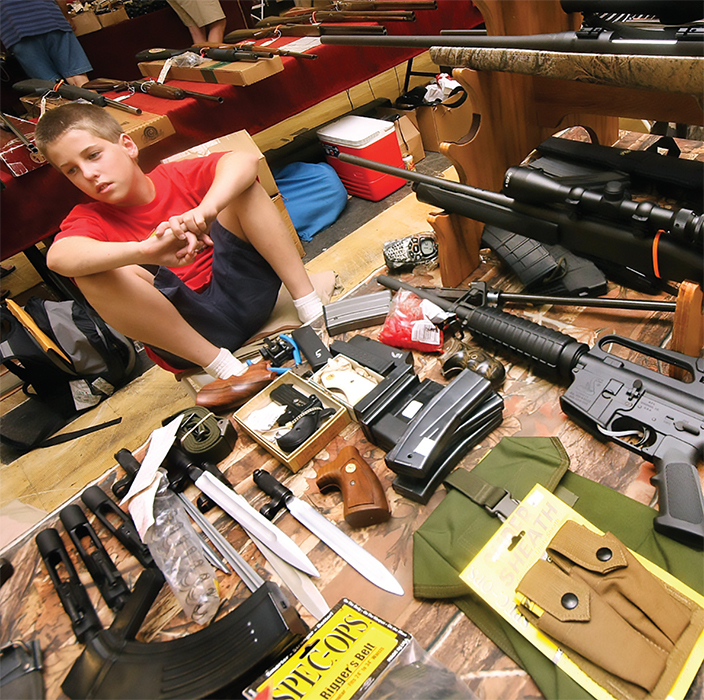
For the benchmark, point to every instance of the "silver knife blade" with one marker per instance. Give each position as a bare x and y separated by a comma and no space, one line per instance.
343,545
299,584
256,525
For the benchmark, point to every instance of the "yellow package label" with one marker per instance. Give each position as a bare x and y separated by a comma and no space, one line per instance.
496,570
349,648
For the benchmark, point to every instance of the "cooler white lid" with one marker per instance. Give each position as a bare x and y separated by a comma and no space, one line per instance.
355,132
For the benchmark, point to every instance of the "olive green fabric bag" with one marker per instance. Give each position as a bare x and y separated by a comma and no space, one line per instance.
458,528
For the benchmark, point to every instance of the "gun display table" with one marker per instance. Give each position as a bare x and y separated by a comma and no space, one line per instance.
31,608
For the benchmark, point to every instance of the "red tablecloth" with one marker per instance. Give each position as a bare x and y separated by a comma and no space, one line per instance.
34,205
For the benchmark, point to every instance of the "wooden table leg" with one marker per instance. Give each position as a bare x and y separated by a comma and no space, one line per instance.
688,325
459,241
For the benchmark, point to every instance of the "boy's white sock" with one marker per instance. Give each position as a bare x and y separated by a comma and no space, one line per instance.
225,365
308,307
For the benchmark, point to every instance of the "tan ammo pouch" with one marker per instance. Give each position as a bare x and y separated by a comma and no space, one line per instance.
594,597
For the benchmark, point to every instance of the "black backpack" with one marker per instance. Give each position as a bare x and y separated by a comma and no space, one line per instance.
68,360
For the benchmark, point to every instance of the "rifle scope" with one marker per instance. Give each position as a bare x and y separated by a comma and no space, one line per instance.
533,187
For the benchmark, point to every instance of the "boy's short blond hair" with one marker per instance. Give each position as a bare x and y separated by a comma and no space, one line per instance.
75,115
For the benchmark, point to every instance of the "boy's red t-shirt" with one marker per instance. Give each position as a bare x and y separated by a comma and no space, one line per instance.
180,186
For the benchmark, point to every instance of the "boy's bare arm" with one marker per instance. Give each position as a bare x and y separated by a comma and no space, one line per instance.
234,174
79,256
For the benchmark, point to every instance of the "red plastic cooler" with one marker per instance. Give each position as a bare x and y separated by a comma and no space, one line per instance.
374,139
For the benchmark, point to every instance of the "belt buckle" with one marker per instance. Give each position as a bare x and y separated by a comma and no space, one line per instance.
504,507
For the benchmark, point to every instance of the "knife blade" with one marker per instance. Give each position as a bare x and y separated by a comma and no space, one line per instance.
254,523
325,530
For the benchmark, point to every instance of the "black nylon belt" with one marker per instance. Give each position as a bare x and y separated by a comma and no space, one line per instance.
203,436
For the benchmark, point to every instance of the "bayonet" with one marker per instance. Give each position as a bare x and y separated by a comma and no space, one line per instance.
325,530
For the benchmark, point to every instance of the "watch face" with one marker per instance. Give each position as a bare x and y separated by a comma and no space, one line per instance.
427,247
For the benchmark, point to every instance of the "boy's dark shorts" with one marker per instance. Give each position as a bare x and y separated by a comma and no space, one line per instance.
238,301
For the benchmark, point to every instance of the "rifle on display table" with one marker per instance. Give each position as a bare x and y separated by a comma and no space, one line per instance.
656,416
617,27
149,86
309,15
230,55
365,5
320,30
40,88
603,226
264,51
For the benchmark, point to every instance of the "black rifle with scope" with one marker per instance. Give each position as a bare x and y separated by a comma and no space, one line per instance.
656,242
656,416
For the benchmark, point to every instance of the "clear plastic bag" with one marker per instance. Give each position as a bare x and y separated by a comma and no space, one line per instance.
177,552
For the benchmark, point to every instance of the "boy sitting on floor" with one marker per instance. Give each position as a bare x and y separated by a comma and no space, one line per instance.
187,259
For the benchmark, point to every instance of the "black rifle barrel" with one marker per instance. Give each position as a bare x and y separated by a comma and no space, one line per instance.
568,42
497,297
549,351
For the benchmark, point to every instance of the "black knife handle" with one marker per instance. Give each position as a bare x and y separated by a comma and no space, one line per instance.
129,463
274,488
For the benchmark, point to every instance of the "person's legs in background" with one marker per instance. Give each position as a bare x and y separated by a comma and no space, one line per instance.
53,56
205,19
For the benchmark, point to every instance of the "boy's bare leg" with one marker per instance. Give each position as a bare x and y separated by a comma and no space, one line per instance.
127,300
254,218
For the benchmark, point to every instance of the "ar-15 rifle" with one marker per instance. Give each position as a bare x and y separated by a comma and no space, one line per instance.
656,242
40,88
657,417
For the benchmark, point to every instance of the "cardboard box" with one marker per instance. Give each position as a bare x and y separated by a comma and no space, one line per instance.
281,206
107,19
409,138
85,23
237,141
236,73
144,129
333,365
329,429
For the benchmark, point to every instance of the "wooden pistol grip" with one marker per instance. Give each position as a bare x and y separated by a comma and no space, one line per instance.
363,498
